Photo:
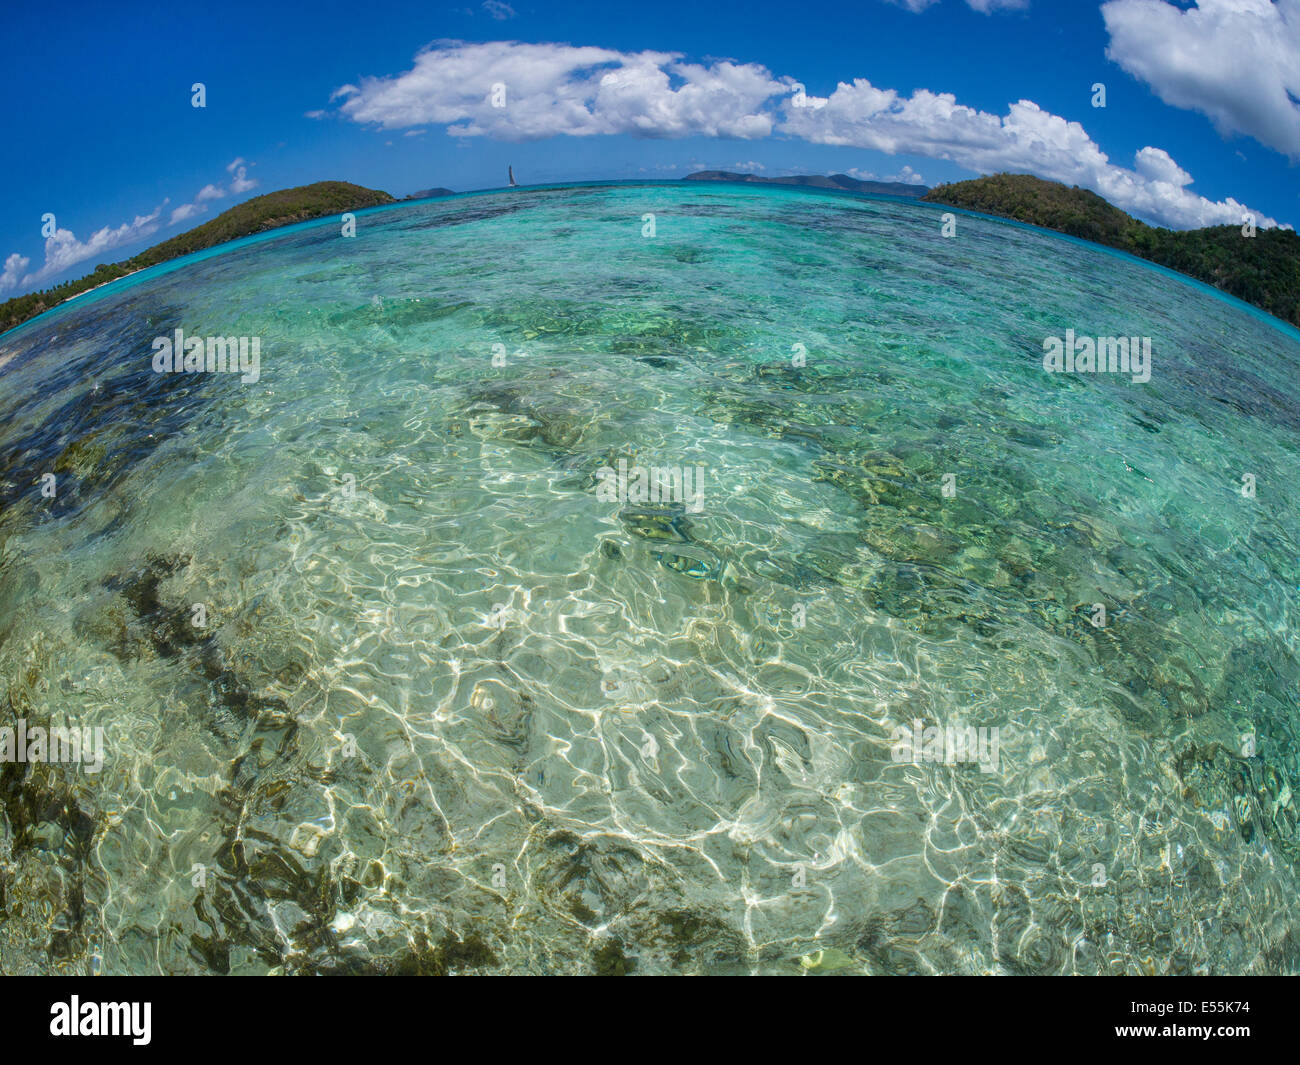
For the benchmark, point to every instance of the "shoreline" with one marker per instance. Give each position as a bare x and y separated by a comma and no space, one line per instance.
1290,330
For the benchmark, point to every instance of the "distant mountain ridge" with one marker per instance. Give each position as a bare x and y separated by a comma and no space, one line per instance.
257,215
817,181
1263,270
429,194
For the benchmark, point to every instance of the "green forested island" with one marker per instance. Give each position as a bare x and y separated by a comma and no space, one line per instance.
1263,269
252,216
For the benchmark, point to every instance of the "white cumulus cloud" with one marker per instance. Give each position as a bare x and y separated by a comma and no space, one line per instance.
241,182
15,266
1155,164
64,250
1236,61
516,92
1026,139
184,211
520,92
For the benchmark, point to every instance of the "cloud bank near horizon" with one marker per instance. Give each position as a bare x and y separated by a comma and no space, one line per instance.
1237,62
511,91
63,250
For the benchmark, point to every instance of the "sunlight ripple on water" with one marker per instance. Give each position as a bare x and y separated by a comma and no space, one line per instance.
451,710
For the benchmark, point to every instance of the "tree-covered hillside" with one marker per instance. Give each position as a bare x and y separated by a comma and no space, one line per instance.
1263,269
252,216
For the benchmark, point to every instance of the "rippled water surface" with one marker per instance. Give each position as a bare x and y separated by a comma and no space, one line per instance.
452,710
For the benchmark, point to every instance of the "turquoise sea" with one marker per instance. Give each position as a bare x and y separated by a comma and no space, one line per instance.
387,682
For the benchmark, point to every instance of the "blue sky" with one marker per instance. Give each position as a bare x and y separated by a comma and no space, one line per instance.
1201,123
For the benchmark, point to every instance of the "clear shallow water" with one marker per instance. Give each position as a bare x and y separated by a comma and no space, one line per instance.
469,716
